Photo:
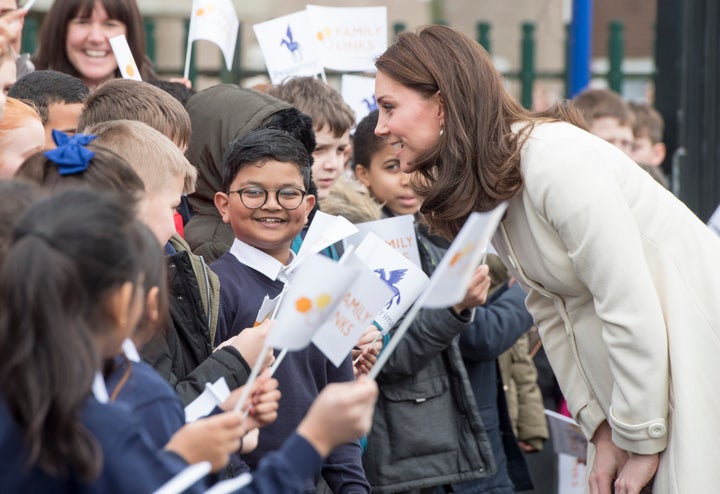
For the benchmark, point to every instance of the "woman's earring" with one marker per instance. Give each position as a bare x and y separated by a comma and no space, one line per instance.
442,130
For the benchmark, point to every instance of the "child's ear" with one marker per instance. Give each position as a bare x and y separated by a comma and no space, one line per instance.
119,303
222,203
658,154
309,205
363,175
152,306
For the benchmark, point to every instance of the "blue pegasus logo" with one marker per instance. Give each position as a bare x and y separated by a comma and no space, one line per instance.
370,103
391,280
293,46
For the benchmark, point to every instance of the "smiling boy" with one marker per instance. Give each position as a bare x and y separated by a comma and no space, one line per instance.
265,201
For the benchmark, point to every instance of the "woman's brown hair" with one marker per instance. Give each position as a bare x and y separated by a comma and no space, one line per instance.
476,163
51,51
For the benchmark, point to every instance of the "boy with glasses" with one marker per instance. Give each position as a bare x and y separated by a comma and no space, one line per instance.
265,201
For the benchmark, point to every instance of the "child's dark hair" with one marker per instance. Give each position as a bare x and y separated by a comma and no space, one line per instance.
263,145
177,90
365,142
70,252
16,196
153,265
45,87
107,172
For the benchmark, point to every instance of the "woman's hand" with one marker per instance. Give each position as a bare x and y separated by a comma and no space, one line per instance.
615,470
609,461
637,473
9,31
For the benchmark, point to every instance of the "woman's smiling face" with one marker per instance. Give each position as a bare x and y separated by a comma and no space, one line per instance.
410,122
87,46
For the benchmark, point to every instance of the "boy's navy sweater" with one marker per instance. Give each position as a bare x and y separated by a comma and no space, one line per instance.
301,376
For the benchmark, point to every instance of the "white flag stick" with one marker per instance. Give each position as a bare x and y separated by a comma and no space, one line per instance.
278,361
185,479
28,5
188,53
251,379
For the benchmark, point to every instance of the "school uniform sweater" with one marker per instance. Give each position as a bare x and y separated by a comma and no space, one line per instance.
130,462
150,398
302,374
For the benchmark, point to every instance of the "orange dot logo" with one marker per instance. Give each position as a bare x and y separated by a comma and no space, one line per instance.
323,300
303,305
325,33
130,70
199,12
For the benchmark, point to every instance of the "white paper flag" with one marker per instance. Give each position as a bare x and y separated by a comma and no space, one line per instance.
213,395
349,38
215,21
449,281
289,47
405,279
324,231
359,93
351,317
317,288
123,55
398,232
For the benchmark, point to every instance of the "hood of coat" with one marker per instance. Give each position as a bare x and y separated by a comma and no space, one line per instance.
219,115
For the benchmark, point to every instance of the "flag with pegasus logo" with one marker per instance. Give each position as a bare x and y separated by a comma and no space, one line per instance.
289,47
359,93
404,279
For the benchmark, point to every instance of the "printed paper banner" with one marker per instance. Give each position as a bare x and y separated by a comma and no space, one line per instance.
359,93
317,288
324,231
449,282
289,47
215,21
349,38
571,475
398,232
405,280
123,55
351,317
567,437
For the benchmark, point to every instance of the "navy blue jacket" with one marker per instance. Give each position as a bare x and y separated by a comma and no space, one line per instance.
495,329
130,462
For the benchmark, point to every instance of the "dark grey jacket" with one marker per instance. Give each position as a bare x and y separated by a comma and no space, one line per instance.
427,430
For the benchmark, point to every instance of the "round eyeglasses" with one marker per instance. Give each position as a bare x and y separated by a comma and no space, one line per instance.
255,197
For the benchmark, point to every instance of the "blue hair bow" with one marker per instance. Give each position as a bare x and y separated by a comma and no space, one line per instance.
70,155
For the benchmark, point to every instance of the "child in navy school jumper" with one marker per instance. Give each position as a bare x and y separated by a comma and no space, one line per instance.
70,292
264,199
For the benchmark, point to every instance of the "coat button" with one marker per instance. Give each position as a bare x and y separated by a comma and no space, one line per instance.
657,430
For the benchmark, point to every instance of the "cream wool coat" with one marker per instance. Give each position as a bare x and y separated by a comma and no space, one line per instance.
624,284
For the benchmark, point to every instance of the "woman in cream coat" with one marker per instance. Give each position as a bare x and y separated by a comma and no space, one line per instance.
623,280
